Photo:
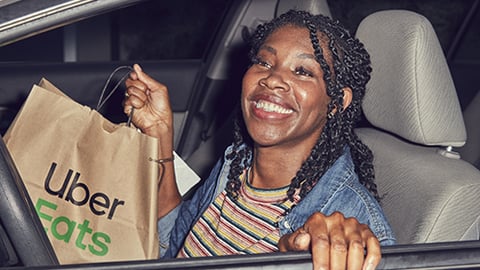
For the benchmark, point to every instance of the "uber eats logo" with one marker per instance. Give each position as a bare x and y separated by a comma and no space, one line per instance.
76,232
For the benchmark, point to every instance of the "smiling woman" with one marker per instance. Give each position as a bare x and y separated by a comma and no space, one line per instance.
299,179
198,49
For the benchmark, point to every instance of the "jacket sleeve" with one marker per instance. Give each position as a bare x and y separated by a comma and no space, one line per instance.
164,227
174,227
354,200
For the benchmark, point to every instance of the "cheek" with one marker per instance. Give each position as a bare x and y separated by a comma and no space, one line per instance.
323,101
322,105
249,80
314,102
249,84
247,87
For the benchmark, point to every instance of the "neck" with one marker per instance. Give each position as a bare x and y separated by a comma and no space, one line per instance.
274,167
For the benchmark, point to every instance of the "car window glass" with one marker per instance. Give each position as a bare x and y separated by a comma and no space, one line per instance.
465,62
150,30
180,29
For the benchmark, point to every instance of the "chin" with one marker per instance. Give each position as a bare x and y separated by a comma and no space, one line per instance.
266,140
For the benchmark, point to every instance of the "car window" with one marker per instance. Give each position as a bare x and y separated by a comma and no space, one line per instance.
150,30
459,35
178,30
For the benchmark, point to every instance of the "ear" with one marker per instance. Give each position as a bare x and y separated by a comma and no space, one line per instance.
347,97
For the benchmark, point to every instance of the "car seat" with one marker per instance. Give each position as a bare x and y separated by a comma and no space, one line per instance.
471,150
312,6
429,193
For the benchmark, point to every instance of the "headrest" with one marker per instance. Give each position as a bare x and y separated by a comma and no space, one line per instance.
313,6
411,92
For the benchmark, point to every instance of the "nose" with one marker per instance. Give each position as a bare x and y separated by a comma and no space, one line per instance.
274,81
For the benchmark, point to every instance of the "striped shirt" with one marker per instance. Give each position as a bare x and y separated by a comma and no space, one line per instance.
247,225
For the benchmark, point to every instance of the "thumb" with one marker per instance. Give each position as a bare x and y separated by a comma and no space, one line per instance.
302,241
143,77
296,241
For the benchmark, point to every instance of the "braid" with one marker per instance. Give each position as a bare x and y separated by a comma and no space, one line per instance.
345,63
237,155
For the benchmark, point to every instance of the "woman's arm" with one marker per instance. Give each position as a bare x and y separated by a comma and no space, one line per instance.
148,100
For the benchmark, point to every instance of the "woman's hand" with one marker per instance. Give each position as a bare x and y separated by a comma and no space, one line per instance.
335,242
149,99
153,115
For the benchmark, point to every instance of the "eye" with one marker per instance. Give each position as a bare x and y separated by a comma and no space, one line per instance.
303,72
261,62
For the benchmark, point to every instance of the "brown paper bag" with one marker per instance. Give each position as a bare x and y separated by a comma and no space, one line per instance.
91,181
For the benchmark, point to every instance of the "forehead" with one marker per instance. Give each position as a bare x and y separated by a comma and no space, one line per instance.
291,35
294,36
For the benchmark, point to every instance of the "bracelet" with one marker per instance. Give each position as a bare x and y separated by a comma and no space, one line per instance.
162,160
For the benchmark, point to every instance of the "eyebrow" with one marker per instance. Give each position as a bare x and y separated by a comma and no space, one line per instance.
306,56
274,51
268,48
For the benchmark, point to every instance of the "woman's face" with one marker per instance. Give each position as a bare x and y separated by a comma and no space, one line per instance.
284,101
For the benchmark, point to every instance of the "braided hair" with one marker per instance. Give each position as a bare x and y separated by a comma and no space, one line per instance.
345,63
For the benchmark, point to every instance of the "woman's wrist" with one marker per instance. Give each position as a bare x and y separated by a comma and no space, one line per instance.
159,131
164,135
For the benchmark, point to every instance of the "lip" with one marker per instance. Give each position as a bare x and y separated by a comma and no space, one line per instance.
272,107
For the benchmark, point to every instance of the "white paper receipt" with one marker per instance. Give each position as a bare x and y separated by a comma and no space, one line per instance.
186,177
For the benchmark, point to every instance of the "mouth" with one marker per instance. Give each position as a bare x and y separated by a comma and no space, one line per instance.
271,107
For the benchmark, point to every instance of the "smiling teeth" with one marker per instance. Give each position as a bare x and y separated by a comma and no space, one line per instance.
271,107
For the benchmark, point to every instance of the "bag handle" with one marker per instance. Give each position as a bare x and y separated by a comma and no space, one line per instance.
102,99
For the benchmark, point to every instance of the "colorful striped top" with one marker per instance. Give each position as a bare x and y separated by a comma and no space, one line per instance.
247,225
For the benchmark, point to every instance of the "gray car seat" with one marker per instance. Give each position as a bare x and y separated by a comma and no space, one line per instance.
312,6
471,150
430,193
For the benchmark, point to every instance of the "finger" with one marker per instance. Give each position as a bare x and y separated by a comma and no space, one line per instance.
374,253
127,103
136,88
338,243
151,83
296,241
127,109
356,248
283,245
133,75
301,242
135,97
320,242
136,84
356,245
338,249
133,101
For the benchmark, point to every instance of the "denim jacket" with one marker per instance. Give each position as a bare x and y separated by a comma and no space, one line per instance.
337,190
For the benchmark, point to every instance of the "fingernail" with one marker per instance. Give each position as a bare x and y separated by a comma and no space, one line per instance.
137,67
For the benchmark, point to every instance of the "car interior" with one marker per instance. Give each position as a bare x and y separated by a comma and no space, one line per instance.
469,152
426,147
400,108
417,120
